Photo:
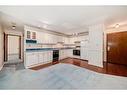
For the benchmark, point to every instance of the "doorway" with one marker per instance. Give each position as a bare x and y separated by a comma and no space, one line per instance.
12,48
117,48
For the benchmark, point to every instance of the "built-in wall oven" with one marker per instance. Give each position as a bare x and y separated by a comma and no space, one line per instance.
55,55
76,52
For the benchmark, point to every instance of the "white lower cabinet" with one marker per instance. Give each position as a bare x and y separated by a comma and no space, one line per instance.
41,57
50,56
31,59
36,58
65,53
70,53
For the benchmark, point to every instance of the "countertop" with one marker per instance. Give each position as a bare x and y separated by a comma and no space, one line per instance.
44,49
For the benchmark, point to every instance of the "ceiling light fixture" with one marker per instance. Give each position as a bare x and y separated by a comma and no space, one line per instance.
74,34
117,25
13,27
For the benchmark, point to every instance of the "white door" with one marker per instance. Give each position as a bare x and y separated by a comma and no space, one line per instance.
13,47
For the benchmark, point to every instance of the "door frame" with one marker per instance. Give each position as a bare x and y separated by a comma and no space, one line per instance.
6,46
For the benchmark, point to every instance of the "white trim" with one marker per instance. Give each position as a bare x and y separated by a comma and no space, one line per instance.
1,67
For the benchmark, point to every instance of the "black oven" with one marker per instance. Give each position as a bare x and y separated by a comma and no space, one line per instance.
76,52
55,55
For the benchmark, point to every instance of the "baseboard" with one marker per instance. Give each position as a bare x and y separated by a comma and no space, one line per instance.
1,67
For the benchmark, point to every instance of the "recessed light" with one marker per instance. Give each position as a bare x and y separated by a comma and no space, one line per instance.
117,25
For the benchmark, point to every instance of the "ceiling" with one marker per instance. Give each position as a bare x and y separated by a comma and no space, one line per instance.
63,19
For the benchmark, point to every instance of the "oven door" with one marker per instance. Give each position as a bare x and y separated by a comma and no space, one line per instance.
55,55
76,52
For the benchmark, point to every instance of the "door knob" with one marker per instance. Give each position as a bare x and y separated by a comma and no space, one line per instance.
108,48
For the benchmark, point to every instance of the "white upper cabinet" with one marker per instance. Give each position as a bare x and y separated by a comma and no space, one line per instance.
31,35
39,37
71,40
59,38
54,38
43,37
65,40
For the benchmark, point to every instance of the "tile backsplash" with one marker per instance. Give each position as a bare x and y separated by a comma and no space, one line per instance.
33,46
30,46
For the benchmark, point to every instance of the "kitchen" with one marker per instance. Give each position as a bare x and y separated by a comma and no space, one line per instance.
42,46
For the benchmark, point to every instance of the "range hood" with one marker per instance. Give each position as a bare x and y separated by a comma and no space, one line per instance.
77,42
60,42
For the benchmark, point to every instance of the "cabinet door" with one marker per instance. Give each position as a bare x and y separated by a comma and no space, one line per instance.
51,38
38,37
59,39
72,40
44,56
33,36
66,40
64,53
31,59
70,52
51,56
48,56
61,54
41,57
28,35
54,38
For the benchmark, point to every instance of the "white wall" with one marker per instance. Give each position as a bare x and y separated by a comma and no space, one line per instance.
1,47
